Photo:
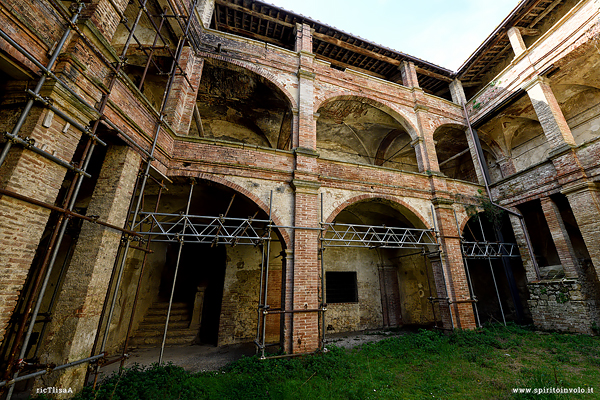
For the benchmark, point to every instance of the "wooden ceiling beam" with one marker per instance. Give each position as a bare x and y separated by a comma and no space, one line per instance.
254,13
368,53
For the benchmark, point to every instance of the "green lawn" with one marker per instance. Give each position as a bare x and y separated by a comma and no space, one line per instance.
482,364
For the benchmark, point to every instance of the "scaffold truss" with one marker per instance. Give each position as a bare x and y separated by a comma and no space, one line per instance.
163,227
370,236
475,250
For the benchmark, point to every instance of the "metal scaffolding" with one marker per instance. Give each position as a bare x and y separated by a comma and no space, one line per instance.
185,19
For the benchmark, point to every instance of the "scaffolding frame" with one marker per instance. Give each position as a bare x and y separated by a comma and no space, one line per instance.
41,278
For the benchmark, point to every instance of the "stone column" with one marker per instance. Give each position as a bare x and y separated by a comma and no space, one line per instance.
584,198
180,105
549,114
29,174
409,74
560,237
457,92
76,316
516,41
454,269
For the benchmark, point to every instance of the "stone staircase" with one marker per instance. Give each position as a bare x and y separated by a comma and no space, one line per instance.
151,329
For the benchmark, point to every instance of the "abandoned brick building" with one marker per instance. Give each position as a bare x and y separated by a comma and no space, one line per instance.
226,171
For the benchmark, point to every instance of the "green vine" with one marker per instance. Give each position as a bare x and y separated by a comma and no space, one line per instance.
491,213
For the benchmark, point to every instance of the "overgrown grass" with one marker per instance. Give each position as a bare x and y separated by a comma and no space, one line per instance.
481,364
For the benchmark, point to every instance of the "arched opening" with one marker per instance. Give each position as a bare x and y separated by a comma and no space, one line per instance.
495,270
219,268
372,284
236,104
364,132
454,156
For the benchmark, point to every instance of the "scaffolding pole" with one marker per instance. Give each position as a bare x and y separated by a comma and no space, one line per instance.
181,242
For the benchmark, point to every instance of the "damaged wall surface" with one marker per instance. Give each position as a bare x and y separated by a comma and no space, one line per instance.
223,172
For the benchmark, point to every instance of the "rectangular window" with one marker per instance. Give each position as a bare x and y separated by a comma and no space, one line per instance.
341,287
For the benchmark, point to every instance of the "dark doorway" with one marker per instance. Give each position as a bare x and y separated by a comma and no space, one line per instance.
200,266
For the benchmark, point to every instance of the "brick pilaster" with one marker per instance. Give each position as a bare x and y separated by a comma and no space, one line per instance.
561,239
180,106
454,269
26,173
424,144
75,319
306,274
306,131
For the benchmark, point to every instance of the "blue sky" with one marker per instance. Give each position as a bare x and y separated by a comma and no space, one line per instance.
444,32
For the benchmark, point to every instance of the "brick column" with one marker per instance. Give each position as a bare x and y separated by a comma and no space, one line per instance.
24,172
560,237
409,74
103,15
75,318
457,92
205,9
584,198
180,105
516,41
454,269
528,263
549,114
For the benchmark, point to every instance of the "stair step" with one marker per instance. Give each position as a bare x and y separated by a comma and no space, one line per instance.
177,324
155,341
154,311
164,305
159,332
160,319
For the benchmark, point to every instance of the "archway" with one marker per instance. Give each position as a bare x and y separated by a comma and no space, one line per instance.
239,105
362,131
454,155
370,282
495,270
219,268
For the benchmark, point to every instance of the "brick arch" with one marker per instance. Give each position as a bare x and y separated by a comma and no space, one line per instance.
257,70
283,235
387,107
369,196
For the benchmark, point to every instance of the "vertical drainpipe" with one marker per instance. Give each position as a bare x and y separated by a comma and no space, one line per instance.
486,181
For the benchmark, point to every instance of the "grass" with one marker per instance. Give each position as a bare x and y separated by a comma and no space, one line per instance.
482,364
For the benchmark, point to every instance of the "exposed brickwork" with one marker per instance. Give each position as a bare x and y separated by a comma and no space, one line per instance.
75,320
561,239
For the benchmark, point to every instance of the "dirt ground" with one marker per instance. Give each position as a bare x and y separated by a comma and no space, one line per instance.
196,358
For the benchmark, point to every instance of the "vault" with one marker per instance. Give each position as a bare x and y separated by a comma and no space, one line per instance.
359,132
236,104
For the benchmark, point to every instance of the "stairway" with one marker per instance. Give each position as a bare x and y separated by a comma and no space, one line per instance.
151,329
